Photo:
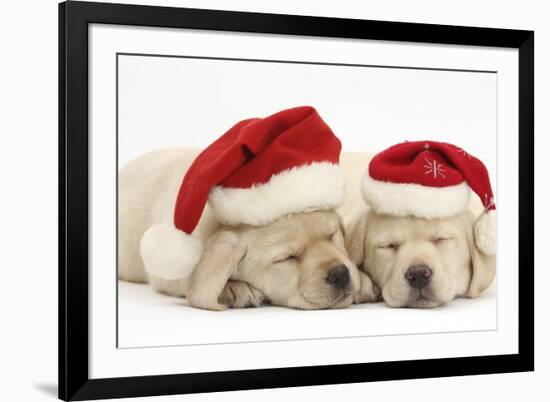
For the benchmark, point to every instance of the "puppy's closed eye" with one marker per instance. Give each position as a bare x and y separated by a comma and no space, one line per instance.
440,240
285,258
389,246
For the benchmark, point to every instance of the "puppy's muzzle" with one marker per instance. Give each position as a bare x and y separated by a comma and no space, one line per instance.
418,276
338,277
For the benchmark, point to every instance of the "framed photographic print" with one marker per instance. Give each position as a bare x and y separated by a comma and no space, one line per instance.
258,200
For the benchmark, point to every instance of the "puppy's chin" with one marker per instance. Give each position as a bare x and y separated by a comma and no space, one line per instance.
346,301
423,302
411,298
324,300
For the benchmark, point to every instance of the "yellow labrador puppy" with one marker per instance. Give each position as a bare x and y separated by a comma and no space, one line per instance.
416,262
297,261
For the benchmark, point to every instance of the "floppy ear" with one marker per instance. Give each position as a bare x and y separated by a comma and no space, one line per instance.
483,265
354,236
220,259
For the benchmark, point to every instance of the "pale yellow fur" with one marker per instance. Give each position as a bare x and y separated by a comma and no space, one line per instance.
459,267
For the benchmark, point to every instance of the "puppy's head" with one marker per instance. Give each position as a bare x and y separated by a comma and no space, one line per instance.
298,261
419,262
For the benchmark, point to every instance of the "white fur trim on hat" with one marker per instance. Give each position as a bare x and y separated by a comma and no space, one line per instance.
485,232
404,199
317,186
169,253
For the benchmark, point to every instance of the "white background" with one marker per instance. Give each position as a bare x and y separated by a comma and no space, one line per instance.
170,102
29,125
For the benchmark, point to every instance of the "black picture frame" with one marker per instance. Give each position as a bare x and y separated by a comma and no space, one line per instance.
74,381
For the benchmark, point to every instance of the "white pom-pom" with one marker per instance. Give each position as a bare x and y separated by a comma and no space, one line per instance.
485,232
169,253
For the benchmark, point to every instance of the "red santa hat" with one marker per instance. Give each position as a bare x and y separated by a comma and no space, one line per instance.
255,173
429,179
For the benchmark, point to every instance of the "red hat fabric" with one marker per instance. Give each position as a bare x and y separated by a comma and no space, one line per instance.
262,169
255,173
429,179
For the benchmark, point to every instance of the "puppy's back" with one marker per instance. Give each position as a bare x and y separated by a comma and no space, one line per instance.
147,188
355,165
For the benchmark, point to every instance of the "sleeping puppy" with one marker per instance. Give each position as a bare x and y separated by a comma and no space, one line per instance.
416,262
297,261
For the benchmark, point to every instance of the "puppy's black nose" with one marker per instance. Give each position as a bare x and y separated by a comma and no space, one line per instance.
418,276
338,277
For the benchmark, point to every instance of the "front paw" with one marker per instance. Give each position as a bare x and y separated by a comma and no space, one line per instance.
368,291
237,294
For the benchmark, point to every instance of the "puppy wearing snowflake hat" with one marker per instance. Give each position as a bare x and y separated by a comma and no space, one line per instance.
417,233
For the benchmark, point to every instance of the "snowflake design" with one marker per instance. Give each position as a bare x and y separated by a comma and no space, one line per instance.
463,153
426,146
434,168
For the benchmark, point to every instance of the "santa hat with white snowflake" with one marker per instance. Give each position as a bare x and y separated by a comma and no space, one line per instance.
429,179
254,174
